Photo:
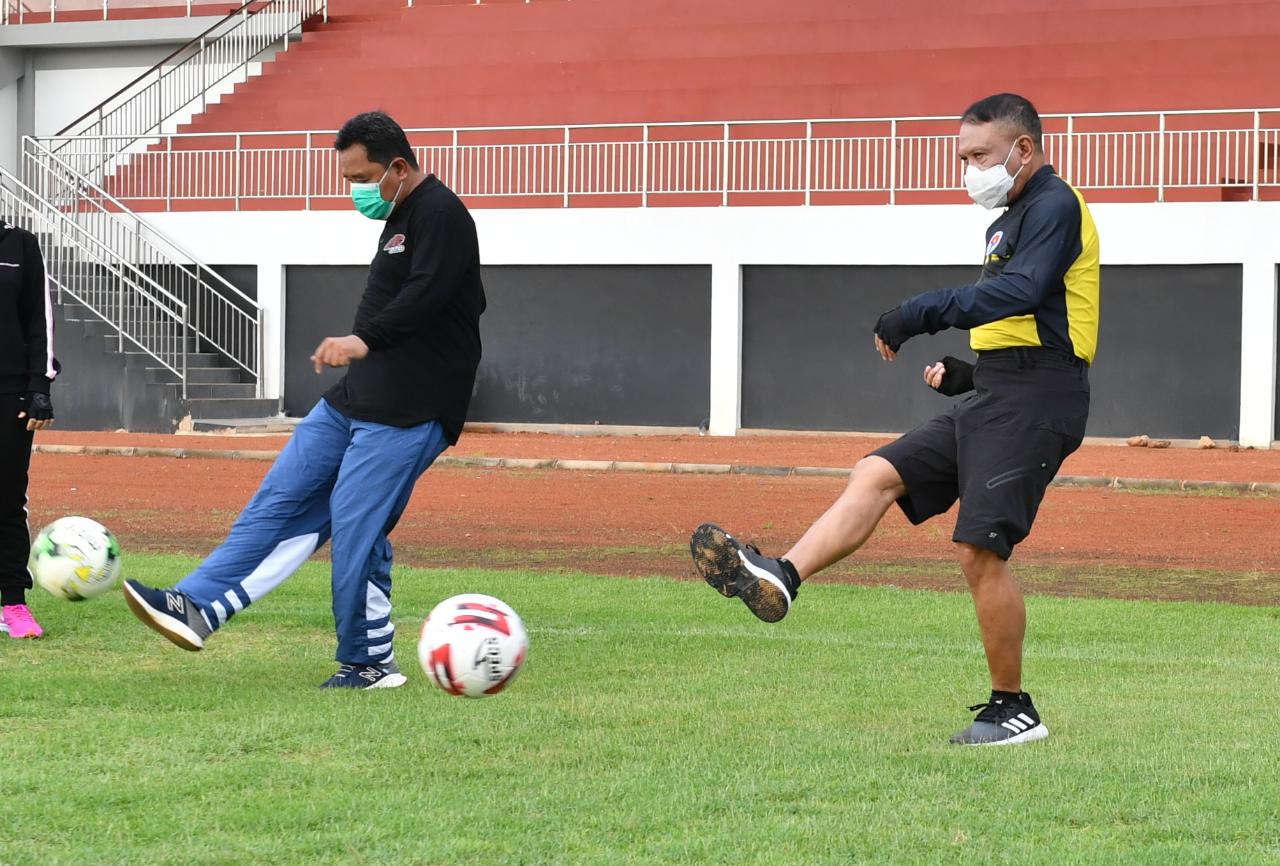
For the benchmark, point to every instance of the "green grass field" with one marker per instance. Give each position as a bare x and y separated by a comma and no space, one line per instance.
654,723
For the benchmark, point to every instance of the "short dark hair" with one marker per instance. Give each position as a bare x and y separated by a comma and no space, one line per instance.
382,137
1017,111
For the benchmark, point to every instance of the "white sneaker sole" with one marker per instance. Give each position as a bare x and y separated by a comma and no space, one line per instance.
720,561
390,681
177,631
760,574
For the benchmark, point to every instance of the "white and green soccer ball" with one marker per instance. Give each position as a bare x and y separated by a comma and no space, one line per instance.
75,558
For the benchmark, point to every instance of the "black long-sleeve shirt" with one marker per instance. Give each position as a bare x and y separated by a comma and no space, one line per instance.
26,315
420,317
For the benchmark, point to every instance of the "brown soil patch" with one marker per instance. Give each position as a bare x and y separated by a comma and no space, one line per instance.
1093,542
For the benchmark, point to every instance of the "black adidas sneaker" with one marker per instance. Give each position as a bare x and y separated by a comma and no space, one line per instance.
1003,721
766,585
384,676
169,612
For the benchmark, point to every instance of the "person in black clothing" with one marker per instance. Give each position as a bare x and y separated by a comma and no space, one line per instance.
1032,318
27,369
350,467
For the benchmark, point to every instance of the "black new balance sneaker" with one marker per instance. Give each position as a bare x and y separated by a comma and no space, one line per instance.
766,585
1004,720
169,612
386,676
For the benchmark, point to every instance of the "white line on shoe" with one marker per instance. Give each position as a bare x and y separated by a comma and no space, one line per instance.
390,681
1039,732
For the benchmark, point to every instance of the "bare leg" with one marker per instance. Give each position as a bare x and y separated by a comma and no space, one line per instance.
1002,616
846,525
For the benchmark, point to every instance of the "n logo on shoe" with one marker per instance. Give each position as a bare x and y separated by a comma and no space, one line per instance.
175,603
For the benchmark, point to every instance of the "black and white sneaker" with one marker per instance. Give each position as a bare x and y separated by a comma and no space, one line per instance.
1003,721
169,612
385,676
766,585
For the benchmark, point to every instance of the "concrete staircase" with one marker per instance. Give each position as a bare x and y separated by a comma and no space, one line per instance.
108,384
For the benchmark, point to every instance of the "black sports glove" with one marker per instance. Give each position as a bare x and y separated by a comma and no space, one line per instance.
39,407
891,331
957,377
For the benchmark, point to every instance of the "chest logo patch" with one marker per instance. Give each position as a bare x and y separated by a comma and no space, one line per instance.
994,242
395,245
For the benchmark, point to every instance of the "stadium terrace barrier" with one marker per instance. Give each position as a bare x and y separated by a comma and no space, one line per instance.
1150,156
53,11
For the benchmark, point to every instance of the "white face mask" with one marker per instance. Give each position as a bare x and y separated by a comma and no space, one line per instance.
990,187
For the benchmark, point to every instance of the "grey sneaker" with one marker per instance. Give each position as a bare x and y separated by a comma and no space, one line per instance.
384,676
766,585
169,612
1003,722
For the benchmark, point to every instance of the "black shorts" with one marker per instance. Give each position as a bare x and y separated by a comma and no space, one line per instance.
997,450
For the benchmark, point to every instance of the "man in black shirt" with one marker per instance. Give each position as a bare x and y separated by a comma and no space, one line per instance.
350,467
27,369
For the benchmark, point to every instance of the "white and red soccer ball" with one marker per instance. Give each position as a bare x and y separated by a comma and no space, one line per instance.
472,645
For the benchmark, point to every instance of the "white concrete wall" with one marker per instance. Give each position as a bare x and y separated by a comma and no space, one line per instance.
729,238
62,95
71,79
9,121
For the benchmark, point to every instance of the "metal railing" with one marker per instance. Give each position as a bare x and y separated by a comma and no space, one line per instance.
52,11
142,313
1136,156
215,314
181,81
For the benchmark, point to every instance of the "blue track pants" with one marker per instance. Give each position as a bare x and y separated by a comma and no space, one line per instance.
336,478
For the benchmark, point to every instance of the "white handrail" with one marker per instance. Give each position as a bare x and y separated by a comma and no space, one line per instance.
893,159
80,265
216,312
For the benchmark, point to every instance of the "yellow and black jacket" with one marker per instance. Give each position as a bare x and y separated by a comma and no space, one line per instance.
1039,283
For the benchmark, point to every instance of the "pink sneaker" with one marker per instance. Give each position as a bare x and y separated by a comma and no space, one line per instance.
20,621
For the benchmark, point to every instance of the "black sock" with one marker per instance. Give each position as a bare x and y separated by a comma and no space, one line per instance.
11,597
793,576
1012,697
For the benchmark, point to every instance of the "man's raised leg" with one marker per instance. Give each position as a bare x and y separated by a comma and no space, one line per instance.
768,585
284,523
873,487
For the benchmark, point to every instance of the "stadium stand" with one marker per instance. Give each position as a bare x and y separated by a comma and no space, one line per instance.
653,103
567,62
605,61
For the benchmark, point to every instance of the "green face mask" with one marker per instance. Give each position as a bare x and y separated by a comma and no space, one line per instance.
369,201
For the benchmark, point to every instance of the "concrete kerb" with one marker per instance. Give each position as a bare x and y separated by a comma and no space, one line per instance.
1095,481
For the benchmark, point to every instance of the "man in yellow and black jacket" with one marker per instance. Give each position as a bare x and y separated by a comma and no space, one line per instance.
1033,322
